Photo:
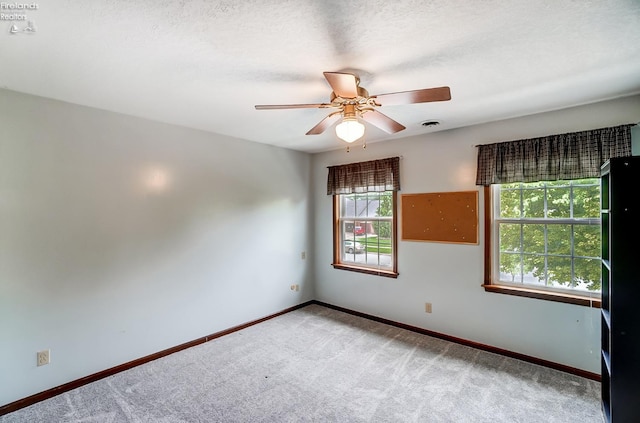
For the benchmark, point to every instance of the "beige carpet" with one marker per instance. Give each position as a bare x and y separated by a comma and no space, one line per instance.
320,365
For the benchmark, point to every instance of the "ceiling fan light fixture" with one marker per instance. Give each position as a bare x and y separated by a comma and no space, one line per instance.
349,129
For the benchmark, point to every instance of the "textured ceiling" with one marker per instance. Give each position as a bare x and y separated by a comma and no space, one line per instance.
205,64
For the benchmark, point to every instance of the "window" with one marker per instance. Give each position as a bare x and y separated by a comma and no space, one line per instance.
364,216
546,237
365,232
542,239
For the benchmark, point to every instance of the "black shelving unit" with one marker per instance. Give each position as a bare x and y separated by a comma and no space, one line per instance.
620,214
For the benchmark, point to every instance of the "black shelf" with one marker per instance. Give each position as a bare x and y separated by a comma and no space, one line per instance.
607,318
607,361
620,225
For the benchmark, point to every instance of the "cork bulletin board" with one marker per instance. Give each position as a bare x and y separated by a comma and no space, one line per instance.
441,217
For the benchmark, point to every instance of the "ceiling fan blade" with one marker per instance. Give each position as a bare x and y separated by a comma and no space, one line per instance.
324,124
382,121
344,85
417,96
292,106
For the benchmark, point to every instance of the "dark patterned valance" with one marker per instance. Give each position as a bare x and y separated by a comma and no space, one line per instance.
574,155
373,176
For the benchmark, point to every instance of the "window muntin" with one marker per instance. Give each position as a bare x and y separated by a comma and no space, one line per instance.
365,233
548,235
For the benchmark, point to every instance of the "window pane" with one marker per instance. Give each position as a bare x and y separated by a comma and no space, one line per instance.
559,239
360,228
364,203
559,271
588,273
379,244
372,243
559,202
384,243
510,267
384,205
533,239
586,240
586,201
510,203
348,247
534,269
361,205
347,206
533,202
348,227
384,230
510,237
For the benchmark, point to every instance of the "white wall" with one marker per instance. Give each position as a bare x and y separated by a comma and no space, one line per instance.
120,237
447,275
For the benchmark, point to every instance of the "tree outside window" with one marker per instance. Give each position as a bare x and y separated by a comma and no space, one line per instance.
548,234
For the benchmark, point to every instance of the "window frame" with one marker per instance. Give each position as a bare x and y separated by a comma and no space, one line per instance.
337,242
490,261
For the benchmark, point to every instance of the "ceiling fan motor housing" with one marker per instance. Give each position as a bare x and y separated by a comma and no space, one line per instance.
362,98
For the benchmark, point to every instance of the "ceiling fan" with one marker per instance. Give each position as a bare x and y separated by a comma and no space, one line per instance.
354,102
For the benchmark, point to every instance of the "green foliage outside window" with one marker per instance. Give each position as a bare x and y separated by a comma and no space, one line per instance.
385,209
560,246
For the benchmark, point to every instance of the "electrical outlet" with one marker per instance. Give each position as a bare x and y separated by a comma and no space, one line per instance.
427,307
303,255
43,357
